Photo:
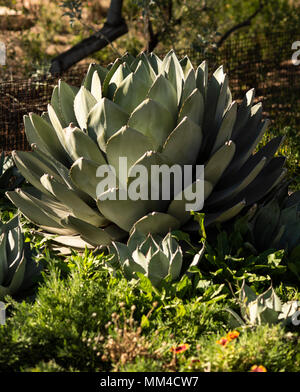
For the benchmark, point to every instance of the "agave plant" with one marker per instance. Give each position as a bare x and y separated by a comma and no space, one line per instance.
10,177
152,112
282,220
17,269
153,256
265,308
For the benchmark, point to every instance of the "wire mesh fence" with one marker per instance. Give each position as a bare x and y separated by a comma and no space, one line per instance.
262,62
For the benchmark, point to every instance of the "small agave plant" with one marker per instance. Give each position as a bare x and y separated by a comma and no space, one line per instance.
265,308
17,269
153,256
276,224
10,177
152,112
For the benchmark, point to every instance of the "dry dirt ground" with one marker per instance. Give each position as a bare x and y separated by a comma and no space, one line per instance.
23,31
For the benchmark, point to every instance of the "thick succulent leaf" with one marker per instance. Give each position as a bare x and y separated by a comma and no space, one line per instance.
225,215
268,178
145,59
127,143
267,152
83,104
115,232
289,215
156,223
149,245
84,175
212,128
79,144
61,174
163,92
60,133
153,181
155,63
248,139
104,120
46,117
131,92
173,70
158,267
176,265
96,87
142,72
226,127
213,96
266,223
214,107
66,102
177,208
120,74
189,85
220,197
193,108
218,163
121,254
271,175
32,135
10,225
202,78
40,163
247,295
291,237
243,114
32,168
124,213
48,203
128,58
3,257
139,263
293,199
55,103
88,232
15,246
71,241
39,211
134,64
109,75
185,153
169,246
186,66
69,198
136,238
152,120
101,72
18,276
49,137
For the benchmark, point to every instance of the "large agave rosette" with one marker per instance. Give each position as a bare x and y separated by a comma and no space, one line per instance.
152,112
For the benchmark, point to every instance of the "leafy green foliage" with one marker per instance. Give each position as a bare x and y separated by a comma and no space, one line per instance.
71,325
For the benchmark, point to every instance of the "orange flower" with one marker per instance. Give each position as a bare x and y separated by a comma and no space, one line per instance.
259,369
180,349
223,341
232,335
